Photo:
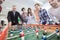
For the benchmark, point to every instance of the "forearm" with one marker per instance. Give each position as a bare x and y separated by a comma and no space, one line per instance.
9,24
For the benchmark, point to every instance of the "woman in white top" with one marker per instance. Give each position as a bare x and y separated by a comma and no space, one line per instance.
31,18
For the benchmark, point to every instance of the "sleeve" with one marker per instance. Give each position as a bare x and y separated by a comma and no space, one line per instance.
9,17
33,16
46,14
20,17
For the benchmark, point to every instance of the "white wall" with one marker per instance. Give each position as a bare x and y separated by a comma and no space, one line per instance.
7,5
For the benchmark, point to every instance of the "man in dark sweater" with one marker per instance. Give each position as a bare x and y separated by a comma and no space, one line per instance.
13,16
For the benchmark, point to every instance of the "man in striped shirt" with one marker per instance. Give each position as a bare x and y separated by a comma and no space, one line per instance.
43,15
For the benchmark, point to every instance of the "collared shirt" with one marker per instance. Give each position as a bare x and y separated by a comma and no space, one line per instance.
43,15
14,16
14,13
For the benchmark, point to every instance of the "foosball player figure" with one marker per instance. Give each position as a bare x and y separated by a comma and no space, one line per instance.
11,33
37,33
44,36
45,31
57,33
20,27
12,28
22,35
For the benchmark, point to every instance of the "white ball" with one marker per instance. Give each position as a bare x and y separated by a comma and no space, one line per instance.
27,31
33,30
11,34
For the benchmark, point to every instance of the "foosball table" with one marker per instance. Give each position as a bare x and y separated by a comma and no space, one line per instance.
30,33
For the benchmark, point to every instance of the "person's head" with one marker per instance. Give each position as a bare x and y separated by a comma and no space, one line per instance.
1,2
29,11
13,8
58,0
53,3
23,9
37,6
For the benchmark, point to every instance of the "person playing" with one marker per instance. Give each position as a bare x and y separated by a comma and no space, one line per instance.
13,16
24,15
42,14
54,11
36,11
31,18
